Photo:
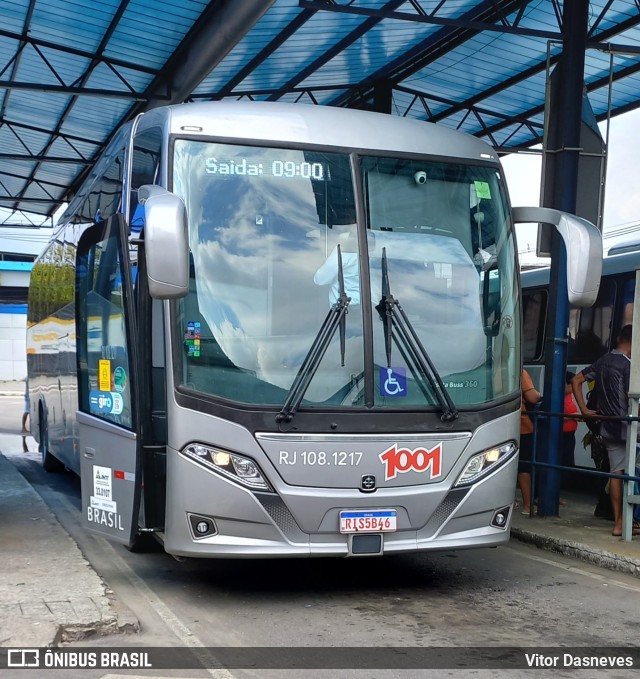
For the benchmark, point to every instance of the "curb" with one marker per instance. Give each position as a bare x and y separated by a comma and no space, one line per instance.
123,621
577,550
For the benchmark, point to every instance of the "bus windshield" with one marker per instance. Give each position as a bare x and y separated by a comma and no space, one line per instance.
269,229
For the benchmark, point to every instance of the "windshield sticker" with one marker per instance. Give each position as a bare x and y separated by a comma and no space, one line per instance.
192,338
104,374
482,190
119,379
393,381
105,402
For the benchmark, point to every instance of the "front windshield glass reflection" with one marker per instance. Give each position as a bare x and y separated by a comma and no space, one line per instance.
264,229
446,235
264,224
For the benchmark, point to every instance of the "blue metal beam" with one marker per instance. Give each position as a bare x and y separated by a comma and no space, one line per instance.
567,108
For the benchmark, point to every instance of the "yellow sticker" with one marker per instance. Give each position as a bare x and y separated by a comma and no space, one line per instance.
104,375
482,190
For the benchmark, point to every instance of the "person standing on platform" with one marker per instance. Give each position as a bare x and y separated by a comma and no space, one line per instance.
611,374
531,396
569,425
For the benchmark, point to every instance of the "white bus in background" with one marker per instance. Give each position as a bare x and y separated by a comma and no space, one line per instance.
297,332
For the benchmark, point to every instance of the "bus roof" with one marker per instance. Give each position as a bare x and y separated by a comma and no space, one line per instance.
323,125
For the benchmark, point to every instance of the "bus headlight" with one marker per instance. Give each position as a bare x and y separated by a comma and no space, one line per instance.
241,469
484,463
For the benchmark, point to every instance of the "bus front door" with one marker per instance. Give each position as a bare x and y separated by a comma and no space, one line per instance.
107,433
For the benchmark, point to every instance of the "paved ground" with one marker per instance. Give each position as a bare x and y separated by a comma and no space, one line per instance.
48,590
50,593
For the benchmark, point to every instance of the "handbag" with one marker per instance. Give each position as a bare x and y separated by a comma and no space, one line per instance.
593,424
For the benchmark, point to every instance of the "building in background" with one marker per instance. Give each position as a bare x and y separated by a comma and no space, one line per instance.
19,246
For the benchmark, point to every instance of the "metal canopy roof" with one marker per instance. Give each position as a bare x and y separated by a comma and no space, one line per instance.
72,70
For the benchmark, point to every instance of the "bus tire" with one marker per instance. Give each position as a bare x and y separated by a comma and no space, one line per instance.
143,543
49,463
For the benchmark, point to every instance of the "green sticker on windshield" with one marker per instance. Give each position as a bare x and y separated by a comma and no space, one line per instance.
482,190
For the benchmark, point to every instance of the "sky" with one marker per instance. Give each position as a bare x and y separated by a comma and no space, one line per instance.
622,188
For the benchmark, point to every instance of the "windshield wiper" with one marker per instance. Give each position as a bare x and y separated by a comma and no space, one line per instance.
336,317
397,326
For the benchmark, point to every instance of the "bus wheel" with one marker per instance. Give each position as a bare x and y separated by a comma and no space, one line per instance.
144,543
49,462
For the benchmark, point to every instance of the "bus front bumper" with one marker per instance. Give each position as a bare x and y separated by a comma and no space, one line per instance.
304,522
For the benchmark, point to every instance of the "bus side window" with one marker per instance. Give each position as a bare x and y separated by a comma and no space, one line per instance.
628,295
145,169
590,327
104,375
105,196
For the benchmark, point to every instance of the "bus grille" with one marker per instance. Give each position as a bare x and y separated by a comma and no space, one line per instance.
444,511
282,517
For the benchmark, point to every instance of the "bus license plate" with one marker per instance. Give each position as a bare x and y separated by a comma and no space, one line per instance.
368,521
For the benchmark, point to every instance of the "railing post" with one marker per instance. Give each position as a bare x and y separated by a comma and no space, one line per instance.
628,495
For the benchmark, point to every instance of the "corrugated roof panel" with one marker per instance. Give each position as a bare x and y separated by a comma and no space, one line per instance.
72,23
401,102
33,67
628,91
35,108
11,186
68,67
58,173
35,190
326,97
313,40
95,116
468,72
268,27
617,12
103,78
150,30
538,15
8,48
29,141
629,37
455,120
9,142
596,66
513,135
371,52
14,13
599,101
624,93
72,148
519,98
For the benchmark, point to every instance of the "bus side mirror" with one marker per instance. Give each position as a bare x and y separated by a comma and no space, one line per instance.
166,244
584,250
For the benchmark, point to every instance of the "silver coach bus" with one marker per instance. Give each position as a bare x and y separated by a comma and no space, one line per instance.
284,330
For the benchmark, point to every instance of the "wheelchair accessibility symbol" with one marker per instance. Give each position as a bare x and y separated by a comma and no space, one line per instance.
393,381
